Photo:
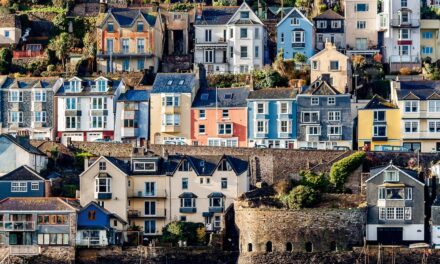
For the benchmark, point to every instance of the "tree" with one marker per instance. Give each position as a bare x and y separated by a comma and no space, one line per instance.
341,169
284,67
358,62
299,58
61,46
89,42
318,182
5,60
183,231
302,196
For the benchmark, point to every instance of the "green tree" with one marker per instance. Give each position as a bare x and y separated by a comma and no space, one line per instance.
318,182
61,46
89,42
341,169
184,231
302,196
5,60
299,58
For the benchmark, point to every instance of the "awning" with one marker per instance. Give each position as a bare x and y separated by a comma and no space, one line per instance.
216,195
392,185
207,214
187,195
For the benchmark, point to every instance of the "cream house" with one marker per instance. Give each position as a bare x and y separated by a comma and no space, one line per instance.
10,30
332,65
430,39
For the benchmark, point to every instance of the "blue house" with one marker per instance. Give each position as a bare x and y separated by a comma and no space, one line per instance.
295,33
98,227
272,118
22,182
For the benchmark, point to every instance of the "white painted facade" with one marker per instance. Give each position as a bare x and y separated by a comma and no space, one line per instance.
411,232
227,48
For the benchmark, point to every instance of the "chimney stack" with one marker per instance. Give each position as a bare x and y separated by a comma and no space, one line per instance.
199,11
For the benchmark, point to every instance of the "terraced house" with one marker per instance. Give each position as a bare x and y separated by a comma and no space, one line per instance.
130,40
86,108
229,39
272,118
28,106
329,27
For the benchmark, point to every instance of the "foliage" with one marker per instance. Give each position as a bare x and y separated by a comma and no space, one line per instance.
299,58
89,42
301,196
268,78
5,60
318,182
134,227
62,3
302,3
183,231
283,187
288,3
322,8
222,3
46,9
358,62
60,22
182,7
227,80
61,46
80,156
4,10
405,71
341,169
69,190
282,66
201,234
50,68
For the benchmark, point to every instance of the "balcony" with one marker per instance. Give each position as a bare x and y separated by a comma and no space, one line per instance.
421,135
138,213
28,54
170,128
420,114
18,226
391,203
379,138
404,59
216,209
98,112
103,196
171,109
312,137
72,113
38,124
298,45
411,23
335,137
116,55
129,132
219,43
143,194
28,250
91,242
188,210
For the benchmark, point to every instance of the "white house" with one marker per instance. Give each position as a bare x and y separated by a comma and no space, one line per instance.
229,39
399,24
86,108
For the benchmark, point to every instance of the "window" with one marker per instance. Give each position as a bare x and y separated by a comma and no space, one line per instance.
102,166
408,213
361,7
321,24
336,24
224,183
72,122
404,50
427,35
404,33
40,96
103,185
257,33
99,103
184,183
403,3
314,101
144,166
427,50
294,21
110,27
187,202
201,129
53,239
109,46
130,123
243,33
380,131
71,104
223,142
40,117
310,117
150,227
282,38
101,85
411,127
217,221
411,106
231,52
171,101
231,33
18,186
150,188
261,109
335,130
35,186
91,215
244,15
361,24
7,33
126,65
125,45
225,113
171,120
185,166
202,114
391,176
314,65
379,115
150,208
391,193
284,126
261,126
243,52
298,37
15,96
209,56
257,52
98,121
224,166
216,202
284,108
208,35
140,45
140,26
334,116
408,193
314,130
224,129
331,101
382,215
15,117
334,65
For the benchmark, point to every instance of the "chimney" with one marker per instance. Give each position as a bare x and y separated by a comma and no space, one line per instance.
86,163
102,6
260,9
47,188
199,11
155,6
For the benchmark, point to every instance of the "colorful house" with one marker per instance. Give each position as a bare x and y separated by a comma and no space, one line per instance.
219,117
272,118
23,182
329,27
430,38
379,125
295,33
170,104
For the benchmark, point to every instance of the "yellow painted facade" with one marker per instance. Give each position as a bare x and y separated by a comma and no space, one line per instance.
430,38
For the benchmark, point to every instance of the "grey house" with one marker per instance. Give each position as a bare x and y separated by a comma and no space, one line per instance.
324,117
27,106
396,206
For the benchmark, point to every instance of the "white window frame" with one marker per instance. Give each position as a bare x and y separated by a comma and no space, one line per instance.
334,116
265,127
224,127
173,118
411,104
15,96
391,176
301,36
257,104
311,113
71,102
376,134
412,124
330,133
142,164
312,129
294,21
436,125
280,107
331,101
314,101
15,117
288,126
18,186
39,96
40,116
35,186
376,116
108,185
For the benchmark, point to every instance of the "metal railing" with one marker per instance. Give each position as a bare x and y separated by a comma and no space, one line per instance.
20,250
409,23
28,54
17,225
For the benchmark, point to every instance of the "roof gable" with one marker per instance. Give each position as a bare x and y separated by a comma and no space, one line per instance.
22,143
321,87
23,173
111,161
295,12
378,102
411,96
35,204
329,14
403,171
253,18
434,96
174,83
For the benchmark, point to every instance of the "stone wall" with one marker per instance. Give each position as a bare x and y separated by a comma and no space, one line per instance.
49,255
327,229
106,149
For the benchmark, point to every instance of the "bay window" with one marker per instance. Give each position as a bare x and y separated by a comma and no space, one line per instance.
171,120
103,185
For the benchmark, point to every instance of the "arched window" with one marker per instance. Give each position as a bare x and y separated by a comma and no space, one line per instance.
289,247
269,246
309,247
333,246
249,247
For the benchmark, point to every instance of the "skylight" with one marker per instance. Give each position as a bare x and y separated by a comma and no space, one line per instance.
181,82
170,82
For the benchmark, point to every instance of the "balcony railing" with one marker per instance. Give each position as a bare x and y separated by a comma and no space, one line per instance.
216,209
116,55
98,112
421,135
219,41
298,45
405,59
38,124
411,23
103,196
28,54
18,226
188,210
91,242
312,137
170,128
143,194
140,213
20,250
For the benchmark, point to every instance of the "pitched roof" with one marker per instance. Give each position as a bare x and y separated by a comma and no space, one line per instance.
216,15
320,87
174,83
411,173
105,211
23,143
22,173
28,83
135,96
329,14
120,164
295,12
273,93
226,97
126,17
35,204
377,102
205,165
276,10
418,90
9,20
86,85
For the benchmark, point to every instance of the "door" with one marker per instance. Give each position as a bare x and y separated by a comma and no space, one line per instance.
390,235
437,147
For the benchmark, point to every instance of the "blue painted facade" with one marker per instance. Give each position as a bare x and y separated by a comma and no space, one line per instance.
296,23
101,218
271,119
6,191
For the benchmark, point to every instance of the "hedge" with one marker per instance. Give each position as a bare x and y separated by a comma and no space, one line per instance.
343,168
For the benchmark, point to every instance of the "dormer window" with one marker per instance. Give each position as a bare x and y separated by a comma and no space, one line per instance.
75,86
103,185
101,85
244,15
140,27
391,176
110,27
185,166
224,166
181,82
144,166
170,82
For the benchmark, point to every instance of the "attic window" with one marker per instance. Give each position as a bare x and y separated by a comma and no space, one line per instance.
244,15
144,166
228,96
204,96
391,176
185,166
140,27
170,82
181,82
91,215
110,27
224,166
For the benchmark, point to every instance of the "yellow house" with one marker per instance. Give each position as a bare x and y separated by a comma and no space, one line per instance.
379,125
332,65
430,38
170,108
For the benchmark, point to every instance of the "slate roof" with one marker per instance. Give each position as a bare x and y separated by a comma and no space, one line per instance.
218,15
174,83
378,102
22,173
126,17
9,20
436,202
23,143
120,164
35,204
135,96
105,211
205,165
321,87
329,14
226,97
28,83
273,93
86,85
419,90
412,173
277,9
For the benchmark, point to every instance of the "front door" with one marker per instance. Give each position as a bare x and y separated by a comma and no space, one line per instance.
390,235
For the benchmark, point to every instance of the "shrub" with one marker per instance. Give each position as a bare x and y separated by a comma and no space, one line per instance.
301,196
50,68
69,190
405,71
341,169
300,58
283,187
184,231
318,182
